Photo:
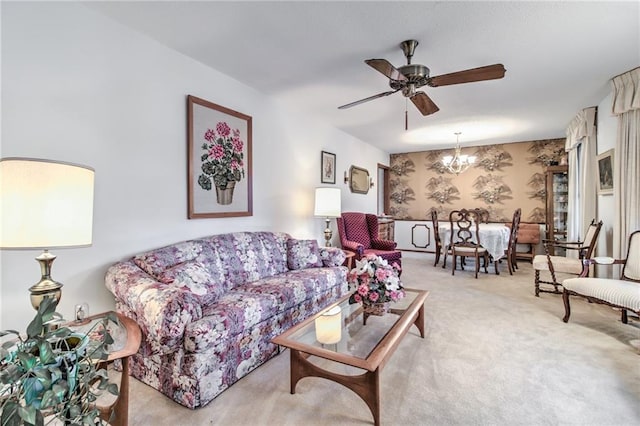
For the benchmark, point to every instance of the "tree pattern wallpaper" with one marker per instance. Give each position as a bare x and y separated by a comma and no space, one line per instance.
503,178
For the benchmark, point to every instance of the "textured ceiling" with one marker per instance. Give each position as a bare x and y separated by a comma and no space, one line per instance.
559,58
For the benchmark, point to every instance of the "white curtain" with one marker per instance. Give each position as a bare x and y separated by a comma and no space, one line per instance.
626,163
581,153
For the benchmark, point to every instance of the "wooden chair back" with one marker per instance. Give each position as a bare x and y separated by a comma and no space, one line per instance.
434,222
631,268
464,228
590,239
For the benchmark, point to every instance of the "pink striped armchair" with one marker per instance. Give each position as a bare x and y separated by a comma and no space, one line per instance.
359,234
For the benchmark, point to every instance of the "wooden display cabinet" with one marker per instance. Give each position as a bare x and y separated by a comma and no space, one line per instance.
557,202
386,228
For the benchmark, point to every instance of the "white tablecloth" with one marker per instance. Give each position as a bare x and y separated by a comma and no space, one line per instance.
493,236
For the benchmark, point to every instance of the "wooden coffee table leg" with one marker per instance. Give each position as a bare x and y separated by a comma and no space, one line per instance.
366,385
419,322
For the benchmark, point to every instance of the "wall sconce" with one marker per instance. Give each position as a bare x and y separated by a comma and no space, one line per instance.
329,326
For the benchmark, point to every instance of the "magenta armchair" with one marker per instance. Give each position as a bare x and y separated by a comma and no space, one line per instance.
359,234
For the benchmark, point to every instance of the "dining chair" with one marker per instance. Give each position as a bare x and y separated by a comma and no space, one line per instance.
465,239
436,237
561,264
512,262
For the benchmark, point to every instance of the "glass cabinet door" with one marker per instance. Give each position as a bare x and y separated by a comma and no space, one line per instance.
557,205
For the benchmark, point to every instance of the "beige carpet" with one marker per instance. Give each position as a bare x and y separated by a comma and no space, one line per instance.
493,354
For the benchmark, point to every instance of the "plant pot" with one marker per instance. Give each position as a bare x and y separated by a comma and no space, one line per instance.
224,195
378,309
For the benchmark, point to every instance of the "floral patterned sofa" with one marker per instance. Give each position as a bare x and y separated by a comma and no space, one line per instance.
208,308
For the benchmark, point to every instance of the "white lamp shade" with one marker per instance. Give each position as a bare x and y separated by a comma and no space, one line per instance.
328,202
45,204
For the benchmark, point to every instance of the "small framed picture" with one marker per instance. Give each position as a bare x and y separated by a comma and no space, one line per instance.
328,168
605,173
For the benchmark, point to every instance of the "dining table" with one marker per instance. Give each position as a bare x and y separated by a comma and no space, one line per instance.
493,236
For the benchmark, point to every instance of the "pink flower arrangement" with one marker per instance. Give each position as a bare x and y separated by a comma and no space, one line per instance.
222,158
375,281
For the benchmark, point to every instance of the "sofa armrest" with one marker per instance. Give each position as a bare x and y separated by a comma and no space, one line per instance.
383,244
332,256
353,246
163,311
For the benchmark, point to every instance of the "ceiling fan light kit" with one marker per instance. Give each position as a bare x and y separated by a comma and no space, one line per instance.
407,78
458,162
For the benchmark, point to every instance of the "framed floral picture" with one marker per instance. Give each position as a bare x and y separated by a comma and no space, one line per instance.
219,161
328,167
605,172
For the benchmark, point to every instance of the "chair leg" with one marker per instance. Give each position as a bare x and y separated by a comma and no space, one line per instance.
567,307
478,265
453,264
437,256
537,283
624,318
444,260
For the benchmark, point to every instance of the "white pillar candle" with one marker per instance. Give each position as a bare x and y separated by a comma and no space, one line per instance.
329,326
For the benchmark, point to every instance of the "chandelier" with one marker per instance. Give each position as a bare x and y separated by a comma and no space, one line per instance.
458,163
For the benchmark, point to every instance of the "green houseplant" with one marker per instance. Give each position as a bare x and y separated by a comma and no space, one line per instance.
53,374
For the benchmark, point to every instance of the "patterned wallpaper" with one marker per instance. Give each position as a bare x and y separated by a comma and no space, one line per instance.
503,178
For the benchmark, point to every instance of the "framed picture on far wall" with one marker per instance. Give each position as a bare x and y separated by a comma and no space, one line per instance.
605,172
328,168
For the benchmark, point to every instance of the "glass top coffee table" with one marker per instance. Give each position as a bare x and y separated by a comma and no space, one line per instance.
355,339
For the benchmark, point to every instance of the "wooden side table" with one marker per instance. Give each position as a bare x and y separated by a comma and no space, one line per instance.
349,260
127,339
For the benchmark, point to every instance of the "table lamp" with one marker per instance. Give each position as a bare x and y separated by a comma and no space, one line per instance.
327,205
45,204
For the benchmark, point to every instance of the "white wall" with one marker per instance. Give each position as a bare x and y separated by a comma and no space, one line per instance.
606,140
79,87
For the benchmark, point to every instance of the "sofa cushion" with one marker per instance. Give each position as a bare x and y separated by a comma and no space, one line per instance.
155,261
617,292
235,312
250,256
560,264
249,304
303,254
196,278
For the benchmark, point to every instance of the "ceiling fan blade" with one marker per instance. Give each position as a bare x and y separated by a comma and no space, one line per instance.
424,103
370,98
489,72
385,67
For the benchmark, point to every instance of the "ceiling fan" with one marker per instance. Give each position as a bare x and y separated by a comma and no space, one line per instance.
410,77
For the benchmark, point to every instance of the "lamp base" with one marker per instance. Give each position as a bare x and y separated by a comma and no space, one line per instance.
46,287
327,233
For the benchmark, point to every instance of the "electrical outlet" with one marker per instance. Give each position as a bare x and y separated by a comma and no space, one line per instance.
81,311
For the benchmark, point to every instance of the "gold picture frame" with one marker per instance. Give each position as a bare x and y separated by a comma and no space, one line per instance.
605,172
359,181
